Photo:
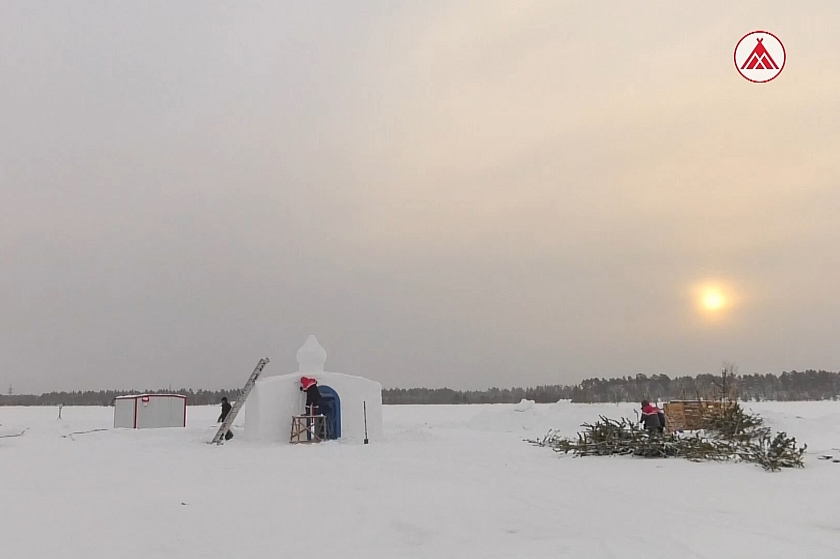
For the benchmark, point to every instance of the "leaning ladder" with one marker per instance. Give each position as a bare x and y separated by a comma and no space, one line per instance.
228,422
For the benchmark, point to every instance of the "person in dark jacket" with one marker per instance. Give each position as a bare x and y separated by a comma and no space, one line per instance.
313,395
225,411
313,400
651,418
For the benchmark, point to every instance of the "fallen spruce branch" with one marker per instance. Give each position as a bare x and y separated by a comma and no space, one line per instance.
13,435
70,435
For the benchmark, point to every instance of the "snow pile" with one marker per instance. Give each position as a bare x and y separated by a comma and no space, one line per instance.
561,405
524,405
504,418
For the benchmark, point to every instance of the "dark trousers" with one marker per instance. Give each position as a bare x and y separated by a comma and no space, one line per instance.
311,410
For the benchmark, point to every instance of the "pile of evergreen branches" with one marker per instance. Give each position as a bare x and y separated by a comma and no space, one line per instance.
729,433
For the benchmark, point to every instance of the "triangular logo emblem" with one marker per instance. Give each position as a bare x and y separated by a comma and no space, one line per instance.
759,58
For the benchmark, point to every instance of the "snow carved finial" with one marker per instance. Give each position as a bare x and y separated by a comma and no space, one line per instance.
311,356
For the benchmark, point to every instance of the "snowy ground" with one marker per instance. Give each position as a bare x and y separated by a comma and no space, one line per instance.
448,481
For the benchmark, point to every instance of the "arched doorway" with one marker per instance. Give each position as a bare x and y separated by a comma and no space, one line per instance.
331,407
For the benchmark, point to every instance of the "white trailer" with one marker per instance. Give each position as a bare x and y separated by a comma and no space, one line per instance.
140,411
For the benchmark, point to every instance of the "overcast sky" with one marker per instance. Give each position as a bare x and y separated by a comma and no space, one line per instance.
460,194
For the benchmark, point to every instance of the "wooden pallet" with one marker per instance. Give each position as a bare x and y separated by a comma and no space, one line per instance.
687,415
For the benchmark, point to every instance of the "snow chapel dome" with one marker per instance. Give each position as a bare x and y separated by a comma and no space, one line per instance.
351,404
311,356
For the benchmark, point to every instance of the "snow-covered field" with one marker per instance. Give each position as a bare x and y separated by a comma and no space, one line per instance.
447,481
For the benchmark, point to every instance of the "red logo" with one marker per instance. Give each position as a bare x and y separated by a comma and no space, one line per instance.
760,56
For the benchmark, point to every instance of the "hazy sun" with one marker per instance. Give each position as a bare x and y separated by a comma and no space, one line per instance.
713,300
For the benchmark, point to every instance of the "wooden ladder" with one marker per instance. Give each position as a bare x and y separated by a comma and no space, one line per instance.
228,422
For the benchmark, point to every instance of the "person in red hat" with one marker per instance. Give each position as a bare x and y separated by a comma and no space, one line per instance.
653,418
313,395
313,399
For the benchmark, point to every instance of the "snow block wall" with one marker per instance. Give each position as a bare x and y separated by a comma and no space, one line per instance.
274,400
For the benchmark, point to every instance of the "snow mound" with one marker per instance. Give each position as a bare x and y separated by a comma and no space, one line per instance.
524,405
561,405
505,419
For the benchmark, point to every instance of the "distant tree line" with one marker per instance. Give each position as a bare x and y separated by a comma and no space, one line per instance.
539,394
106,397
789,386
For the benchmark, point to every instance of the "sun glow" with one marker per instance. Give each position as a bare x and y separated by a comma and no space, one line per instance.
713,300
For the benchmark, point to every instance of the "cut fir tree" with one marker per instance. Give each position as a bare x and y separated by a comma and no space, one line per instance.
728,434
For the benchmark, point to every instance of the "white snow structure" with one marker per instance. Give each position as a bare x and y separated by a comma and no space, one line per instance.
344,399
150,410
524,405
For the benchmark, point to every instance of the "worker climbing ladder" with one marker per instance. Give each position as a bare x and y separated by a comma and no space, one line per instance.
228,422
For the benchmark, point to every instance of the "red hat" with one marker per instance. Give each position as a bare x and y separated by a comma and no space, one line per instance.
306,382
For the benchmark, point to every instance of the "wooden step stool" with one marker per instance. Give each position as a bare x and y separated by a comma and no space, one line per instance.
308,429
